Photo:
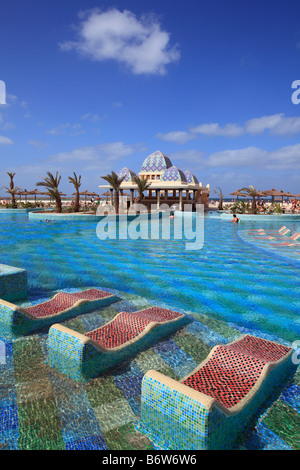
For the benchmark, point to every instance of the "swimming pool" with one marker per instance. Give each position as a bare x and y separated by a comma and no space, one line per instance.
228,286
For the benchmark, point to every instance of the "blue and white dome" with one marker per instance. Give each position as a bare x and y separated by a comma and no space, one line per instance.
174,175
191,179
129,175
157,162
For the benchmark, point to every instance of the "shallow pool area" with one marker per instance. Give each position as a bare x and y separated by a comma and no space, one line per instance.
229,287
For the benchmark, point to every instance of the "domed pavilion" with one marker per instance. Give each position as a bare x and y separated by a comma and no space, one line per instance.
168,184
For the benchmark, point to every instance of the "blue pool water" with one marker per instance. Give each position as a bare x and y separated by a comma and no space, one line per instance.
227,277
229,286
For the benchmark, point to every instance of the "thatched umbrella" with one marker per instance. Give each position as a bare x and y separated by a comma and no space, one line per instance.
36,192
86,193
107,194
237,194
25,193
288,194
271,192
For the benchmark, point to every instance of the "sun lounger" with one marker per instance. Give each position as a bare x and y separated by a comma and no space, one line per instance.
82,357
209,408
262,230
292,241
264,236
20,321
270,234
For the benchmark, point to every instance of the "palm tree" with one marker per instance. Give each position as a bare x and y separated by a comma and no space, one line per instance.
76,181
115,182
51,183
11,175
12,190
221,195
142,185
251,192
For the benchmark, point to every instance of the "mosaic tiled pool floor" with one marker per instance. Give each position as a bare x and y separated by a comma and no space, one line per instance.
41,409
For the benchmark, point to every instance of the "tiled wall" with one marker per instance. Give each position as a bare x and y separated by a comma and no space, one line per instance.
13,283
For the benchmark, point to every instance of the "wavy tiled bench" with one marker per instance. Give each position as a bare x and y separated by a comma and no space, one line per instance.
82,357
209,408
20,321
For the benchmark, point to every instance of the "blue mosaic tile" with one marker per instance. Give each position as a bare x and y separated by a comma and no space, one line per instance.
264,438
8,418
130,382
291,396
135,405
96,442
176,358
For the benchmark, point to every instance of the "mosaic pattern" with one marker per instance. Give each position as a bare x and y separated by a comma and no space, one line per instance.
13,283
81,357
176,417
16,321
43,410
173,174
129,175
156,163
191,179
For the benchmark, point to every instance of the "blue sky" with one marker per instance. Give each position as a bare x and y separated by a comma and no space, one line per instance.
93,86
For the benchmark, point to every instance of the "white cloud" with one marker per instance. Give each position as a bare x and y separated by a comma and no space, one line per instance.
8,126
59,130
63,129
259,125
138,43
91,117
285,158
275,124
39,144
248,156
107,151
178,137
189,156
214,129
5,140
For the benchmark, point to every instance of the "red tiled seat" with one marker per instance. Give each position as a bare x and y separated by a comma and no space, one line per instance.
232,370
63,301
128,325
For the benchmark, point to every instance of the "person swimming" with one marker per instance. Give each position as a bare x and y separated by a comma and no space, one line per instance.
235,219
